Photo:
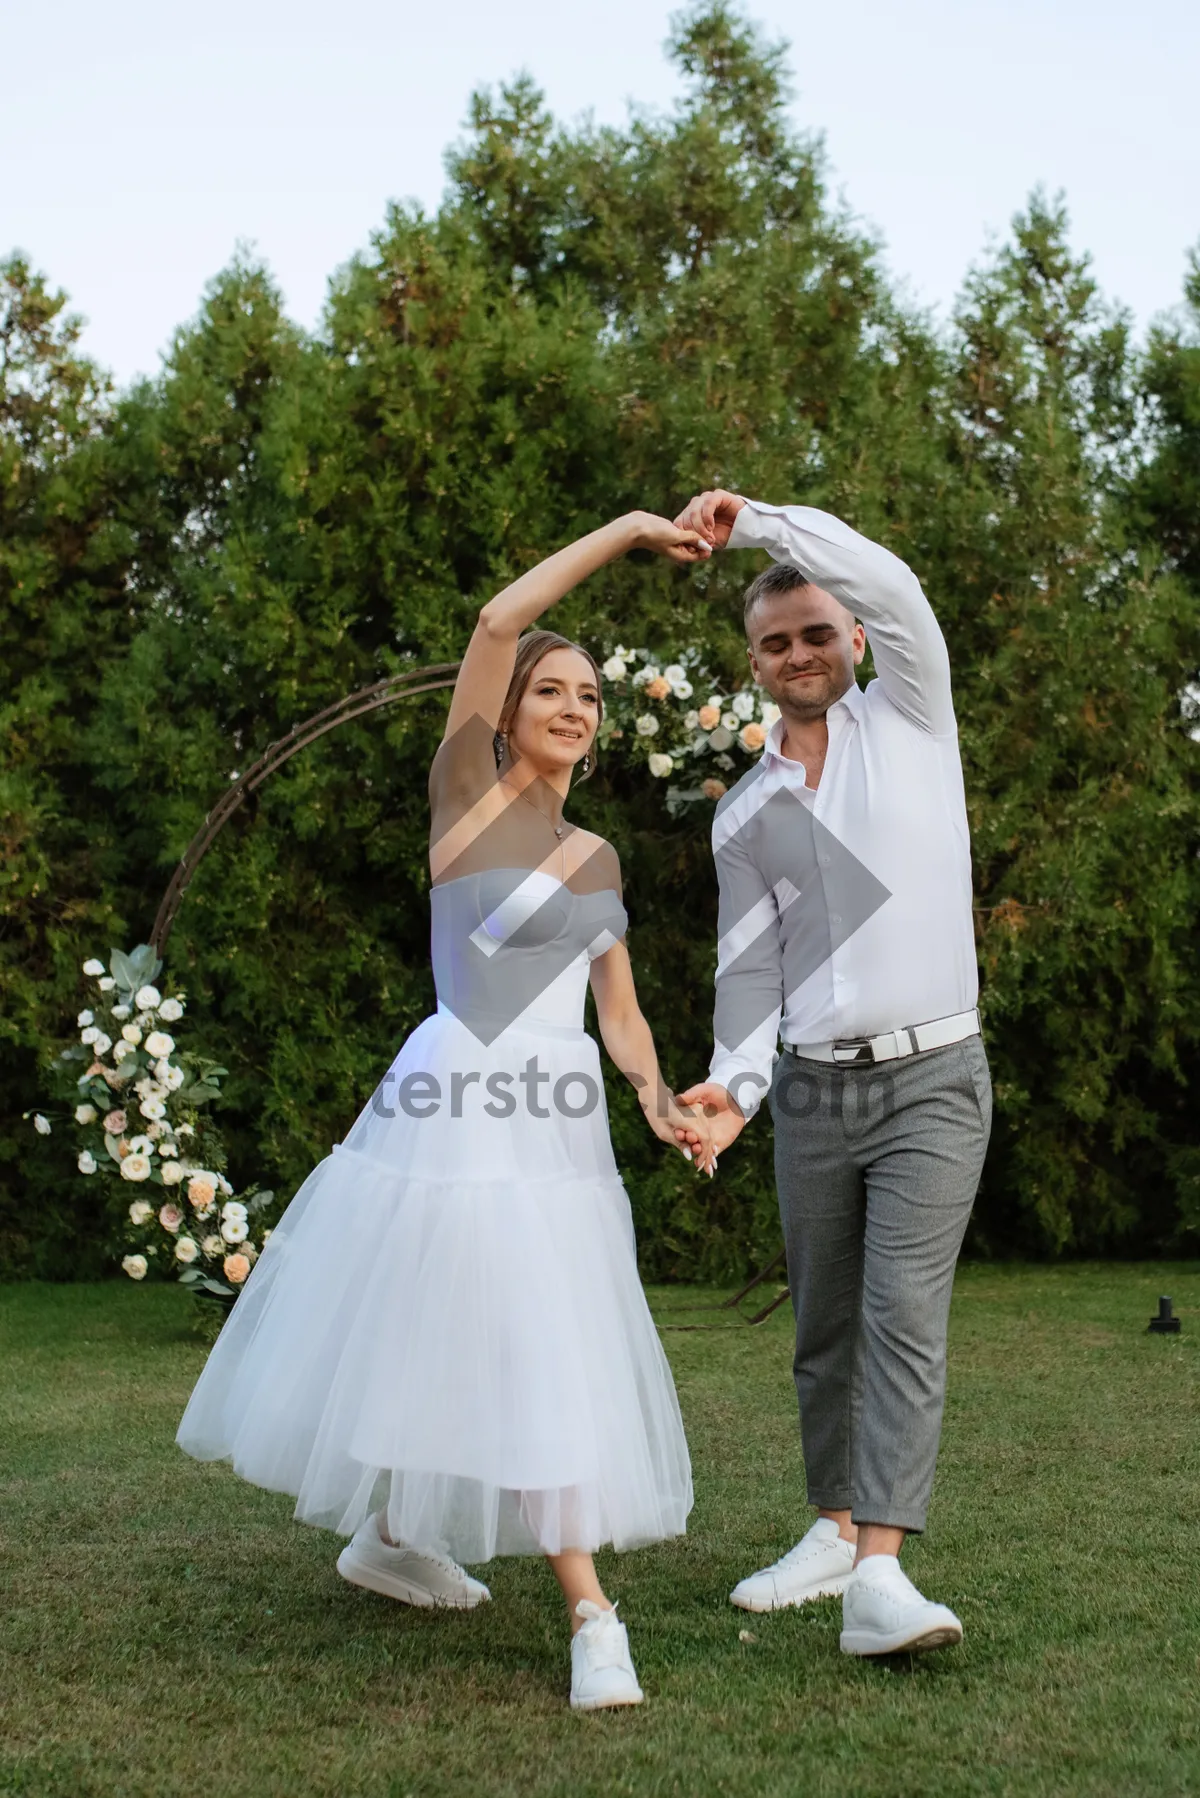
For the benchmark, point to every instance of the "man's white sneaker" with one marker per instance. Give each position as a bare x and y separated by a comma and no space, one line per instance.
883,1613
601,1671
818,1567
414,1576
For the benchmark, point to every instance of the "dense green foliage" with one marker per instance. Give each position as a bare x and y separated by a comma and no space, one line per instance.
170,1634
594,320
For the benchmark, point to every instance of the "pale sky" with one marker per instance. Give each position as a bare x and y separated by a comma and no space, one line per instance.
139,142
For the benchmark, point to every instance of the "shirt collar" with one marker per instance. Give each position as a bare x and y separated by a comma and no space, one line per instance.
851,701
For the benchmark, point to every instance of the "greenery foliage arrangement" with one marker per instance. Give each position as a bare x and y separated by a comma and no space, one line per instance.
596,319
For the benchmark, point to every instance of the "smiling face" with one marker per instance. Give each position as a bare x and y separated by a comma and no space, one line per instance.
559,712
804,647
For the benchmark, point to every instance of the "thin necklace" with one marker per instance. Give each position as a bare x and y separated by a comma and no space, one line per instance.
556,828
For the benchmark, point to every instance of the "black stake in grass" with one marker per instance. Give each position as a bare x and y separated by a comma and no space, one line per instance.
1166,1323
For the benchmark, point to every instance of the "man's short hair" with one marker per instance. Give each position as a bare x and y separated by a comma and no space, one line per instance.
780,577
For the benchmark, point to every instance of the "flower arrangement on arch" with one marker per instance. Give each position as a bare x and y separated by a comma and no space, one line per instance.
672,715
139,1111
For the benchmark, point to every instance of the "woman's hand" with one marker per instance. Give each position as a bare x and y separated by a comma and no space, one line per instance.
684,1129
667,539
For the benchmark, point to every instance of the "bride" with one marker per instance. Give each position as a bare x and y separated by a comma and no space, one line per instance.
444,1350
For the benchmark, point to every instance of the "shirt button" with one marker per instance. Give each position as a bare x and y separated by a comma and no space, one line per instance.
835,917
824,861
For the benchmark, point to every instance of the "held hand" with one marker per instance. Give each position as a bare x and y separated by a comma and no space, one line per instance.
724,1116
689,1132
686,546
712,515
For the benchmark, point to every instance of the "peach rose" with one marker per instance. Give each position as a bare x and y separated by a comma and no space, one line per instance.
708,717
201,1192
236,1268
752,736
713,788
658,688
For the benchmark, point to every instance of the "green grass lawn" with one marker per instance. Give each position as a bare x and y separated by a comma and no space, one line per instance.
169,1630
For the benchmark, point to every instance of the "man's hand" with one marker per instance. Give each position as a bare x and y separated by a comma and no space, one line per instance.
725,1116
712,514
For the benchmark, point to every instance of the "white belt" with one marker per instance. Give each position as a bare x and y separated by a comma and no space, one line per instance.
910,1041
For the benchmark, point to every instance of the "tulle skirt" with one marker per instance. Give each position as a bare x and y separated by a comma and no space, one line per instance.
448,1319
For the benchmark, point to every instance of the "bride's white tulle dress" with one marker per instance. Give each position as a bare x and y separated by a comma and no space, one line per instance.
448,1318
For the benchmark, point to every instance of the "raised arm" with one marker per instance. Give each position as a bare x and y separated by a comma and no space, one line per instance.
906,640
488,663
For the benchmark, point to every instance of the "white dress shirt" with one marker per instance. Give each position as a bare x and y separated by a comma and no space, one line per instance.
822,943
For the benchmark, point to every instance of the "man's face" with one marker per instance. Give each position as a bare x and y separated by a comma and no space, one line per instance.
804,647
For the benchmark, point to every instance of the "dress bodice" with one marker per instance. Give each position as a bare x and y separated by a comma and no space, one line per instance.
514,945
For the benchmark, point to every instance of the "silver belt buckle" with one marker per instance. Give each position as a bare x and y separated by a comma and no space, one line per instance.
859,1048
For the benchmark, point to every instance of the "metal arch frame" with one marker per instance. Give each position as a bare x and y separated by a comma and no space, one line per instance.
406,685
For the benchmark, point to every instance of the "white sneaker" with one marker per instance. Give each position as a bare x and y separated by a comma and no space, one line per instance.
818,1567
414,1576
601,1671
882,1612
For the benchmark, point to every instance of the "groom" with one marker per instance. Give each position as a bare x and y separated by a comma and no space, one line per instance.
845,926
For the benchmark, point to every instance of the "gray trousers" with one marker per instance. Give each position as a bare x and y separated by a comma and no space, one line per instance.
877,1169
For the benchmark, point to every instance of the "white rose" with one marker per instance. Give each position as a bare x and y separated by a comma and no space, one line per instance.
171,1172
613,669
660,765
674,672
224,1185
131,1033
123,1051
743,703
135,1266
720,738
93,966
714,699
730,720
85,1114
682,689
234,1210
173,1079
212,1245
234,1230
141,1145
106,986
186,1249
646,725
141,1211
87,1162
147,997
120,1012
41,1124
159,1043
152,1108
135,1167
102,1044
691,720
171,1010
88,1036
86,1017
770,712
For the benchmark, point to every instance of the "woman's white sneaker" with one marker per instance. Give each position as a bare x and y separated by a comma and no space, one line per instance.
818,1567
414,1576
883,1613
601,1671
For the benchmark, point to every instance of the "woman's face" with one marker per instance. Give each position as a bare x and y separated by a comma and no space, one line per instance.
556,721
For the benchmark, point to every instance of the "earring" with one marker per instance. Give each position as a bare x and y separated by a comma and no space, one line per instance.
585,765
499,744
